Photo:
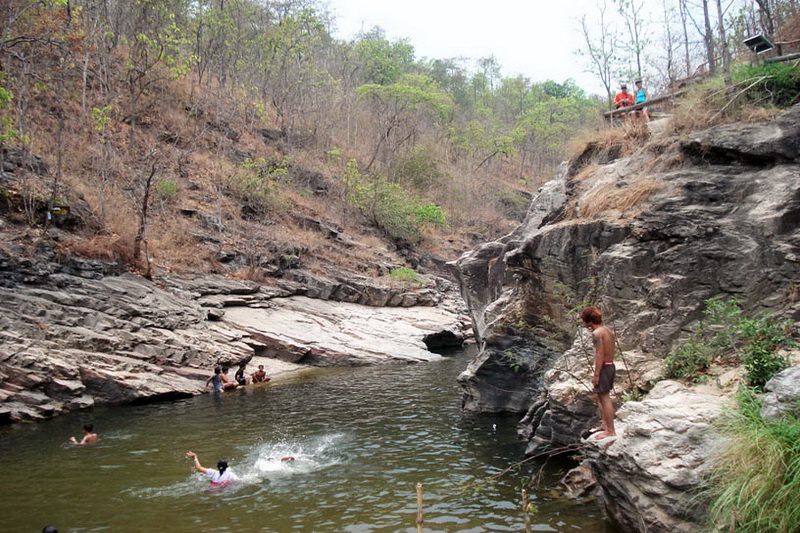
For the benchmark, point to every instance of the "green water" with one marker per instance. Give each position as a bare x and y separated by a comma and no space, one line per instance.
362,439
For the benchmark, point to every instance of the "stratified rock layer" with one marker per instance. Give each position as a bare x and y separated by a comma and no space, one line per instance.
72,337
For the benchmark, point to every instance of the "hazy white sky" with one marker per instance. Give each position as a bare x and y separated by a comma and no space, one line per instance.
535,38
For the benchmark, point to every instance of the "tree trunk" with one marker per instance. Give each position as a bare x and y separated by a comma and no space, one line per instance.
684,20
708,38
723,43
140,234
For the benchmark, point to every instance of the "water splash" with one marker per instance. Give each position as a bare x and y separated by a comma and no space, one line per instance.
263,463
294,457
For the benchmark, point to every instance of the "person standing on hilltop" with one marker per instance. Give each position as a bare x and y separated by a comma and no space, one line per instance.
641,97
604,343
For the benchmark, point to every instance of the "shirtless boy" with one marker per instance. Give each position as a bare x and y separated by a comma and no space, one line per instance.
260,376
604,370
89,436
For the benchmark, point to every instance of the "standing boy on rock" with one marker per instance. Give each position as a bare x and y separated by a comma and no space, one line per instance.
604,369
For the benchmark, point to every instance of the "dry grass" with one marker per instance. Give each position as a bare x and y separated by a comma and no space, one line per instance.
586,172
116,248
610,197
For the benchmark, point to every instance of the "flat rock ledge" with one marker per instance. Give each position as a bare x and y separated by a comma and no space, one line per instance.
653,472
70,342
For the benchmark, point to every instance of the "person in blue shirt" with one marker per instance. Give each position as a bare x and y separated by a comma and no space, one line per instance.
216,380
641,97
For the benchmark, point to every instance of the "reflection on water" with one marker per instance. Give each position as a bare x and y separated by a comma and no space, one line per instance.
361,439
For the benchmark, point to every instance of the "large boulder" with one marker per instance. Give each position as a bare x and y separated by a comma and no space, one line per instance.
782,397
652,472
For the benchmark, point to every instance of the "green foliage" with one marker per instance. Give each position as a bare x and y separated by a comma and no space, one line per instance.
781,86
167,189
7,131
429,214
384,62
763,337
757,483
412,92
101,117
723,331
512,360
255,183
405,274
418,169
334,153
389,207
689,359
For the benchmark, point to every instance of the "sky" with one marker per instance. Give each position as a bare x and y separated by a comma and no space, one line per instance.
535,38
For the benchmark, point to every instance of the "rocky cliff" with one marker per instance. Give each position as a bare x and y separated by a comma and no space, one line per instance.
647,238
75,333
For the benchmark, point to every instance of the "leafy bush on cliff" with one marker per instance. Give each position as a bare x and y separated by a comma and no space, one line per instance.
723,332
756,486
774,83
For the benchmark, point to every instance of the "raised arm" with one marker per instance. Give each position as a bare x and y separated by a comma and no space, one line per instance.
197,465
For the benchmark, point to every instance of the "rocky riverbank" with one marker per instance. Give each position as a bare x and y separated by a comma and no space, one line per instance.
78,333
647,238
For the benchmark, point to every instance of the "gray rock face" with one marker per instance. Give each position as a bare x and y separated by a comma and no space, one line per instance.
729,228
652,471
782,397
322,333
71,341
647,238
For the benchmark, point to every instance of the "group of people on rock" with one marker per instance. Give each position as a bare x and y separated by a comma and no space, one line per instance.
221,382
625,99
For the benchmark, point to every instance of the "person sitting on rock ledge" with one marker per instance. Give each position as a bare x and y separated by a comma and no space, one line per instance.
227,384
89,436
216,380
259,376
240,378
604,369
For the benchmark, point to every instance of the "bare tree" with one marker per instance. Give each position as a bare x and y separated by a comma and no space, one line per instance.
600,49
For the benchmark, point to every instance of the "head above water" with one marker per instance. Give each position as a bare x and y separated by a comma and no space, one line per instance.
49,529
592,315
88,428
222,465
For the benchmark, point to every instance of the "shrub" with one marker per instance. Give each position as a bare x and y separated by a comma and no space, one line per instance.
255,183
723,330
167,189
756,485
780,86
429,214
389,207
764,337
404,274
418,169
689,360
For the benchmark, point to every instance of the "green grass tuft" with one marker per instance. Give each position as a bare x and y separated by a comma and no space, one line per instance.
757,484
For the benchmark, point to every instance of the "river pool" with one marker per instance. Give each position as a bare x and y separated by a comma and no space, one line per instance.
361,437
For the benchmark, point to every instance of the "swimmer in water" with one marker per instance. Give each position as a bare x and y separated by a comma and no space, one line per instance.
89,436
219,477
